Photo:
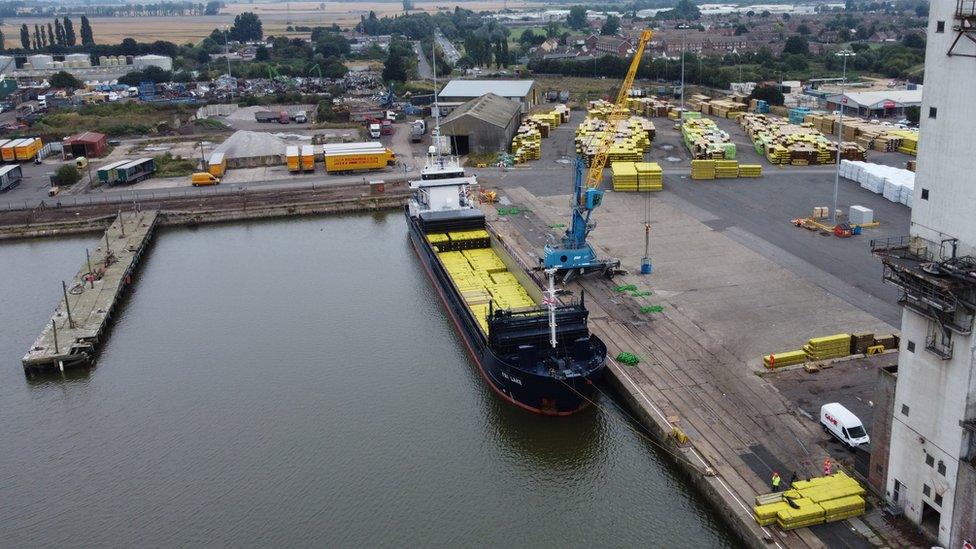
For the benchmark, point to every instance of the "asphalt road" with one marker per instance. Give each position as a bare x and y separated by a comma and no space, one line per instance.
424,70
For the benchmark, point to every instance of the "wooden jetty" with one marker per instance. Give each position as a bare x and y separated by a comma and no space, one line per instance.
89,300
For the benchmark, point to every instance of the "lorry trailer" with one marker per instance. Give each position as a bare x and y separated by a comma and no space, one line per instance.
345,160
217,164
266,116
106,174
293,158
10,177
308,158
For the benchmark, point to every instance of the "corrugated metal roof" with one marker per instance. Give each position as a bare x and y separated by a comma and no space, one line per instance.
491,108
872,98
477,88
86,137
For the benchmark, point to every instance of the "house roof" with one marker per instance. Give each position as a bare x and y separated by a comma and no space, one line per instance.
477,88
491,108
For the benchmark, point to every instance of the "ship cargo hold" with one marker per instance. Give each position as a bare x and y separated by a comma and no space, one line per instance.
532,350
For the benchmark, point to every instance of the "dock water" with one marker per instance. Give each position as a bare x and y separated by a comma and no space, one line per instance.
88,301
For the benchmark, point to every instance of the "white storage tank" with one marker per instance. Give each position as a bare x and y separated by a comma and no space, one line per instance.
103,60
40,61
161,61
58,65
78,59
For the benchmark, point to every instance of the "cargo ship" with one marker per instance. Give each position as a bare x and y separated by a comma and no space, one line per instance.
531,349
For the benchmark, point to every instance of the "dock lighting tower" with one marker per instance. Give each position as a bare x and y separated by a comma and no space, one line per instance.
843,54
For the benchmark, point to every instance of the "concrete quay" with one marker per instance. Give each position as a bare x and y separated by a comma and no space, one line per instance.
724,306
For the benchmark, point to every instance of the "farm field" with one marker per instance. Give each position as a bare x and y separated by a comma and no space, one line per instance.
274,16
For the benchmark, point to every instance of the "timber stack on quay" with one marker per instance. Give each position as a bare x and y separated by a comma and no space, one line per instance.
89,300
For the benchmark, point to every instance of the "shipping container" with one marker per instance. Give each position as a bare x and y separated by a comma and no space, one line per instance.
10,177
8,152
292,158
106,174
135,171
217,164
308,158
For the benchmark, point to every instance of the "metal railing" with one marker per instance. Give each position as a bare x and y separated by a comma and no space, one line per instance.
965,9
937,347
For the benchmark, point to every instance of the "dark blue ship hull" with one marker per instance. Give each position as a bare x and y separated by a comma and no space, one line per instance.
536,378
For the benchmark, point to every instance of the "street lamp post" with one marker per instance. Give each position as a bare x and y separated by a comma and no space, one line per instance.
682,27
844,54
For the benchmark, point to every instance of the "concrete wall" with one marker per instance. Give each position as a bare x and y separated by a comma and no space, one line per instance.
939,393
884,402
964,518
947,139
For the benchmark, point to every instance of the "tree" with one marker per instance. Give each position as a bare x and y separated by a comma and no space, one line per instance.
40,38
803,29
610,26
407,5
913,40
3,46
577,17
50,34
913,114
213,8
769,94
552,29
69,33
24,37
58,32
684,9
203,56
87,38
262,54
67,175
247,27
741,29
797,44
63,79
765,13
922,10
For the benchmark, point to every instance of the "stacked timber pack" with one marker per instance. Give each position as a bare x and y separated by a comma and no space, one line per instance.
799,145
651,107
637,176
705,140
825,348
632,138
809,502
527,142
723,169
723,108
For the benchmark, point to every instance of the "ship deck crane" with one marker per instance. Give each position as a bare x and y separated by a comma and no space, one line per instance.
573,255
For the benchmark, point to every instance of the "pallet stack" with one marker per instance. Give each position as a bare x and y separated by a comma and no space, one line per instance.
649,176
860,342
624,176
787,358
527,144
799,145
703,169
809,502
704,140
750,170
632,138
726,169
825,348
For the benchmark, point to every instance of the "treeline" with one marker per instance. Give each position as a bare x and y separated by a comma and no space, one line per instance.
31,9
485,41
55,37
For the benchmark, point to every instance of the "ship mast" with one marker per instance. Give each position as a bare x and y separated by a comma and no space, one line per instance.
550,301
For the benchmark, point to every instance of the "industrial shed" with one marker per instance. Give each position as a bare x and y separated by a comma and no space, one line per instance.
523,92
485,124
87,144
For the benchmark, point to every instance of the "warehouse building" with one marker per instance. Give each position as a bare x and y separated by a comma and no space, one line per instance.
485,124
876,104
456,92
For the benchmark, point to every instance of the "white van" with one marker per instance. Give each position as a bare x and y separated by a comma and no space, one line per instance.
843,424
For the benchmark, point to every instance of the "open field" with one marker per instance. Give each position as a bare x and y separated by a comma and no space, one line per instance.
274,16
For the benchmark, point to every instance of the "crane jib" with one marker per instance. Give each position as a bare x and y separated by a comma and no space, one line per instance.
620,112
